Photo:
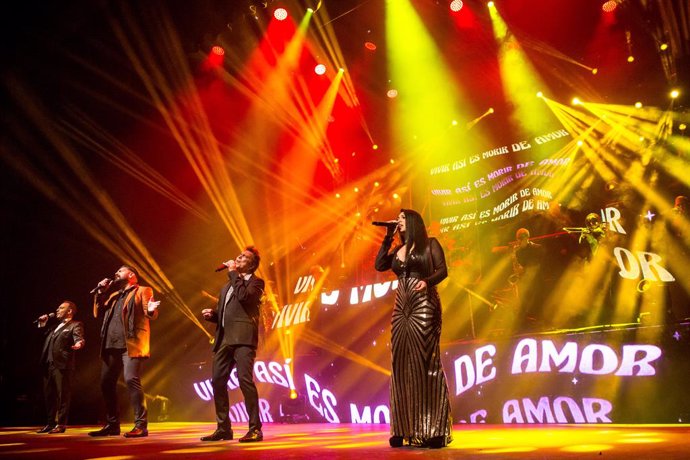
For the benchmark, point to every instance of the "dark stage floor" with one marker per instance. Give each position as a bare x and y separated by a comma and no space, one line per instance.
181,440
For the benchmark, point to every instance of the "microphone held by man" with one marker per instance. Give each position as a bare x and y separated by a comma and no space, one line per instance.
230,264
44,318
102,286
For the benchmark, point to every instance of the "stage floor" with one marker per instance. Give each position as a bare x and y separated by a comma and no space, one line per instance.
181,440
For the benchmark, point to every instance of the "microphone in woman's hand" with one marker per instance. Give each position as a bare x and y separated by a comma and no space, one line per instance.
385,223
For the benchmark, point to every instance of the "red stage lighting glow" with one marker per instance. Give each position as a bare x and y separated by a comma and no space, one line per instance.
218,50
320,69
280,14
609,6
456,5
370,46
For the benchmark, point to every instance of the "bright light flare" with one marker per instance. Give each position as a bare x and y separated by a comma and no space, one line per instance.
456,5
609,6
371,46
320,69
280,14
218,50
392,93
638,105
490,4
576,101
674,94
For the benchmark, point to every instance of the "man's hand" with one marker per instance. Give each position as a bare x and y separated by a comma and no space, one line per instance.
207,313
78,345
153,305
230,264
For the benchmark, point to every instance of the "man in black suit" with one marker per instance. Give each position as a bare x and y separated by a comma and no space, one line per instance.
63,337
237,336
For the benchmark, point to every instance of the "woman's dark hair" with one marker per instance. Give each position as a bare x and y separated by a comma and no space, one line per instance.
415,233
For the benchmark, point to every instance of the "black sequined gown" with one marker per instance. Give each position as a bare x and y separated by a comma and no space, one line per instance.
419,402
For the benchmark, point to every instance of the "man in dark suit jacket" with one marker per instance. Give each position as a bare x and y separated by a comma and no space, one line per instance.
63,337
237,336
127,309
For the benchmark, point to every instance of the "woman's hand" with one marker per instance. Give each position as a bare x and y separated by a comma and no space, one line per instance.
420,286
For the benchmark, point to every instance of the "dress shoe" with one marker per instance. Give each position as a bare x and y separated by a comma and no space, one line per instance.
108,430
137,432
395,441
46,429
218,435
58,429
436,442
252,436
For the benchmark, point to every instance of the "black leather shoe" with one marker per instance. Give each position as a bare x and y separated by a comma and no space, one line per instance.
395,441
437,442
218,435
108,430
46,429
252,436
137,432
58,429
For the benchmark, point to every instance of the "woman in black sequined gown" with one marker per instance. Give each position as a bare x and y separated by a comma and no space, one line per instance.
419,402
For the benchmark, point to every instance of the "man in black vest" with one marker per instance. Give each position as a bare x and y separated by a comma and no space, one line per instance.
237,336
63,337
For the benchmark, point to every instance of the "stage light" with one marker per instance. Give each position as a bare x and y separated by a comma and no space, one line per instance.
609,6
674,94
456,5
356,189
217,50
576,101
370,46
638,105
392,161
540,94
376,184
396,196
579,143
336,160
337,195
375,146
595,71
454,123
663,46
682,126
490,4
631,58
392,93
491,110
320,69
280,14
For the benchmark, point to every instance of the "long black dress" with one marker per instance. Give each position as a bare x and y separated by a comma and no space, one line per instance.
420,407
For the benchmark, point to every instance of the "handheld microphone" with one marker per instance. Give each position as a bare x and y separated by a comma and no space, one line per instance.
385,223
220,268
99,287
38,320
